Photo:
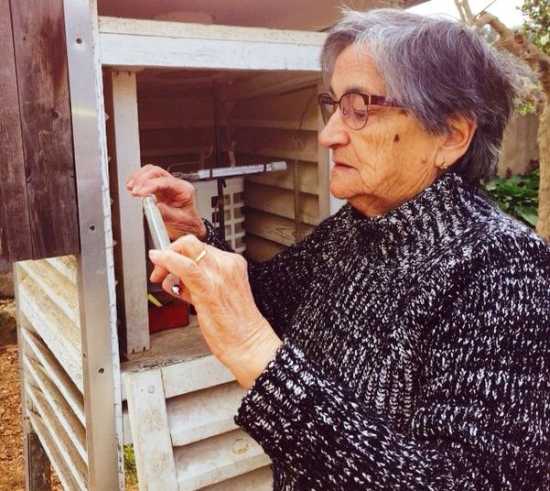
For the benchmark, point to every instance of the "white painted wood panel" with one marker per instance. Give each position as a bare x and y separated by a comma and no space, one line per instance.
56,459
188,30
41,313
258,480
68,453
58,288
66,265
56,373
194,375
202,414
130,212
216,459
149,422
158,52
68,420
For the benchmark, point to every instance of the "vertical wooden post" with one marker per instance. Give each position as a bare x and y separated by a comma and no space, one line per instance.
130,253
41,66
38,465
14,222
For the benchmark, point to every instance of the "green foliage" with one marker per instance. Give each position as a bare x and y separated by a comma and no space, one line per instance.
517,195
536,24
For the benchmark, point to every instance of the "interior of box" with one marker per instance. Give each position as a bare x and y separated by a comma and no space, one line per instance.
191,120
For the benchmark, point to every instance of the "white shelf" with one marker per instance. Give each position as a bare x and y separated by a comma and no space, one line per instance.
158,44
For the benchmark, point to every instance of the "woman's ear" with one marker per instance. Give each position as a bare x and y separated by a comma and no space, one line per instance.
456,141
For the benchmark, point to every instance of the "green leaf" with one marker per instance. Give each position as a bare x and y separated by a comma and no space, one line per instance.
529,214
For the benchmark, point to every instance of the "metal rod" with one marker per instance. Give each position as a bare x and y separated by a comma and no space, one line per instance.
226,172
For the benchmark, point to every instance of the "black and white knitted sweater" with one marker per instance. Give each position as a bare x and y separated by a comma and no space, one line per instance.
416,351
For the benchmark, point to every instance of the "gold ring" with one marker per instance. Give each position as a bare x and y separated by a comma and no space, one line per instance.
200,256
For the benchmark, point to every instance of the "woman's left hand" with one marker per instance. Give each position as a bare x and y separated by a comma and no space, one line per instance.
217,285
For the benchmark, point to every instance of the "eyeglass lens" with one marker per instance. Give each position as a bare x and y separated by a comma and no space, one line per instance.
353,107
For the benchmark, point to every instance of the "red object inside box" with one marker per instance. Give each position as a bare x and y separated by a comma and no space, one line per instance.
169,316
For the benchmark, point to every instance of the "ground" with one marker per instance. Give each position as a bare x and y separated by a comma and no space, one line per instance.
11,458
11,442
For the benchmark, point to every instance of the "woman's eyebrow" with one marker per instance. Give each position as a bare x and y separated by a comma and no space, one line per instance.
352,88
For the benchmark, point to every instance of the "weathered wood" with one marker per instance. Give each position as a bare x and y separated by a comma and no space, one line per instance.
259,249
184,359
272,227
130,252
280,202
56,373
283,144
258,480
61,409
71,458
41,64
189,422
66,265
265,84
58,289
292,111
55,457
187,30
187,419
52,328
141,43
15,231
152,445
218,458
176,112
308,182
39,469
193,375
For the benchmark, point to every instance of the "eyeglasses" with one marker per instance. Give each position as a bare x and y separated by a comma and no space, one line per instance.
354,107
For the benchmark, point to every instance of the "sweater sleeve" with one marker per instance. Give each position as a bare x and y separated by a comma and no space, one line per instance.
480,419
278,285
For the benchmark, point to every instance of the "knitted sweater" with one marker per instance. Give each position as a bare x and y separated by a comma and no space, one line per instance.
416,350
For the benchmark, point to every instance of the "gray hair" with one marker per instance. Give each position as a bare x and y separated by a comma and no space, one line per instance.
437,68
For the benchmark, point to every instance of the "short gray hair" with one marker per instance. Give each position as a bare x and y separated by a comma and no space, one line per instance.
437,68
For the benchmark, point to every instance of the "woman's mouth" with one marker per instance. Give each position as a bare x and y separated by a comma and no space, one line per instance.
342,165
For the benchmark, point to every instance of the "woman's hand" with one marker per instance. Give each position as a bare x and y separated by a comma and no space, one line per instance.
217,285
175,199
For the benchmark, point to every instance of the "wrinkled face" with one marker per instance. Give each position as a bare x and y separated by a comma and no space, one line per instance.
387,162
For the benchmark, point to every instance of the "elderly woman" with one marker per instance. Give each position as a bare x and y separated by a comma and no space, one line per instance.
405,344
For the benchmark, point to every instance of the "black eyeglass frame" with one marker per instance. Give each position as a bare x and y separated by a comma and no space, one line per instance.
325,99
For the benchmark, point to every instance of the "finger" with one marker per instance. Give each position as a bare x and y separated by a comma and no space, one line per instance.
171,214
147,173
158,274
166,186
189,246
137,175
169,282
181,266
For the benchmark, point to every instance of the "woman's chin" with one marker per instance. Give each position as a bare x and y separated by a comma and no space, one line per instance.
338,190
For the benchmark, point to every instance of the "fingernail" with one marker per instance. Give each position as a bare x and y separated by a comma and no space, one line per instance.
154,254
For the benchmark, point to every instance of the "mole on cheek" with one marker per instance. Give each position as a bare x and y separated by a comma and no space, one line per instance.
396,138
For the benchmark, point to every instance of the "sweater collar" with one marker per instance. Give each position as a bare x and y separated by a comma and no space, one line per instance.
439,212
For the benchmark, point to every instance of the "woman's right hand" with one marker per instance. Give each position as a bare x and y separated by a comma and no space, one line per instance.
175,200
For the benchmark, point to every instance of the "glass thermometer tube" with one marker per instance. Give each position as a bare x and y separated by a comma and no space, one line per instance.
161,240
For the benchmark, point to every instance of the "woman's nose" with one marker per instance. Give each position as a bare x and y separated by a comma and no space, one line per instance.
334,133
